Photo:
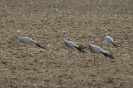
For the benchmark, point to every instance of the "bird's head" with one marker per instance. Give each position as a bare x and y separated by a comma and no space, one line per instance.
105,31
63,33
18,32
89,35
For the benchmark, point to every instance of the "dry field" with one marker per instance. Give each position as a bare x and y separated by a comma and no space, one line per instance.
43,21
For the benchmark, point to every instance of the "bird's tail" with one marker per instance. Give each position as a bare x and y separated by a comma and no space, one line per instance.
39,45
80,49
107,55
115,45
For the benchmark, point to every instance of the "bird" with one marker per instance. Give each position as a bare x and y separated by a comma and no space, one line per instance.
97,50
27,40
71,44
109,40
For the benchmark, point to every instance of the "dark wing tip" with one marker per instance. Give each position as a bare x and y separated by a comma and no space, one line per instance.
39,45
80,49
115,45
107,55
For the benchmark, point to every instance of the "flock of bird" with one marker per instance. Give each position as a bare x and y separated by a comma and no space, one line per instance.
93,48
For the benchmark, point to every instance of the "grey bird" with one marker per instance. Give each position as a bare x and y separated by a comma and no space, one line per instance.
27,40
71,44
97,50
109,40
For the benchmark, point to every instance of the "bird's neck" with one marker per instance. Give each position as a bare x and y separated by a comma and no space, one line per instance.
64,38
89,41
19,36
106,34
89,44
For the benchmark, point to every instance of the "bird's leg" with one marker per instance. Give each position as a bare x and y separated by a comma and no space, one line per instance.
97,59
26,50
69,52
109,49
94,59
83,55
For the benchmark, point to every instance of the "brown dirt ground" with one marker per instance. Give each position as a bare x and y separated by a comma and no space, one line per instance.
43,21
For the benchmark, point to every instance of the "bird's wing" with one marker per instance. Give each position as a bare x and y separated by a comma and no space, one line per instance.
112,41
39,45
80,49
95,49
70,43
109,39
26,40
107,55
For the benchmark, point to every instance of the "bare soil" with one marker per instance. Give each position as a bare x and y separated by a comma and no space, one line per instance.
43,21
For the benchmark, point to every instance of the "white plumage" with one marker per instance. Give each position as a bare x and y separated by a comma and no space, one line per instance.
27,40
96,49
